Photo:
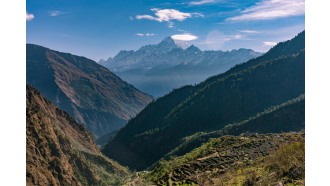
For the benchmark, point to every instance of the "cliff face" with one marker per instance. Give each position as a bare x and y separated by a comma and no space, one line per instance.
61,152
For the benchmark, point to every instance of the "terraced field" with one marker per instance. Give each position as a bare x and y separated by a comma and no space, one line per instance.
211,163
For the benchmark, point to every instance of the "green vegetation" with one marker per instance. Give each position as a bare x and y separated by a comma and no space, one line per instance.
288,116
242,160
286,166
237,95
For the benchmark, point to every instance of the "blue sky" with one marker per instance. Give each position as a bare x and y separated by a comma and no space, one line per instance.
100,29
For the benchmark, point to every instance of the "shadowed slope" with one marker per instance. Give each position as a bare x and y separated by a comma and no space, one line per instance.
89,92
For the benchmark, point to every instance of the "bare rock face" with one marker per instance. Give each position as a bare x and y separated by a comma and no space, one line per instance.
61,152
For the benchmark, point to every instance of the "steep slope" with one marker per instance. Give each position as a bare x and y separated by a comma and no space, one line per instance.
157,69
231,97
286,117
90,93
268,159
61,152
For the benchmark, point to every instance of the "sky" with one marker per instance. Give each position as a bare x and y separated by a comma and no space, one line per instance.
100,29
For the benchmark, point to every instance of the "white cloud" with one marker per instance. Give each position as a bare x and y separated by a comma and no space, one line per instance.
184,37
197,14
201,2
154,9
131,18
270,43
145,17
181,30
237,36
216,39
171,14
249,31
55,13
147,34
271,9
29,17
166,15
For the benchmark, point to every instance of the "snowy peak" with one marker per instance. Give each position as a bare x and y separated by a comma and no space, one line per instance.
167,44
170,43
182,44
193,49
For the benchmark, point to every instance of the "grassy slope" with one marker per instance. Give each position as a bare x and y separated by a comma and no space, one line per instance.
236,160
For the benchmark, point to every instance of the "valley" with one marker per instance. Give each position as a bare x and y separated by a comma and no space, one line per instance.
231,97
242,126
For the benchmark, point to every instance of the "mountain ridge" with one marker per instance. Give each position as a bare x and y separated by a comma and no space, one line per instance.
89,92
157,69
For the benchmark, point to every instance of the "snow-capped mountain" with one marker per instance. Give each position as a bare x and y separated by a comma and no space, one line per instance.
157,69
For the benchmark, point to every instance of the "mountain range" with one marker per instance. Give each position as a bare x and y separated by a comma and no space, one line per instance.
89,92
265,94
158,69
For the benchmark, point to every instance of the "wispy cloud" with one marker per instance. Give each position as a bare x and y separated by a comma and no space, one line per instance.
201,2
269,43
145,17
168,15
184,37
55,13
216,39
249,31
146,34
271,9
29,17
170,24
181,30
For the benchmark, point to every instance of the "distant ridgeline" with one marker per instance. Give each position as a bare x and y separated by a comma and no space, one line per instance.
89,92
157,69
263,95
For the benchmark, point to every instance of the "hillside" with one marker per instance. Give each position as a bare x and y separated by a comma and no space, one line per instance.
157,69
269,159
90,93
285,117
61,152
234,96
